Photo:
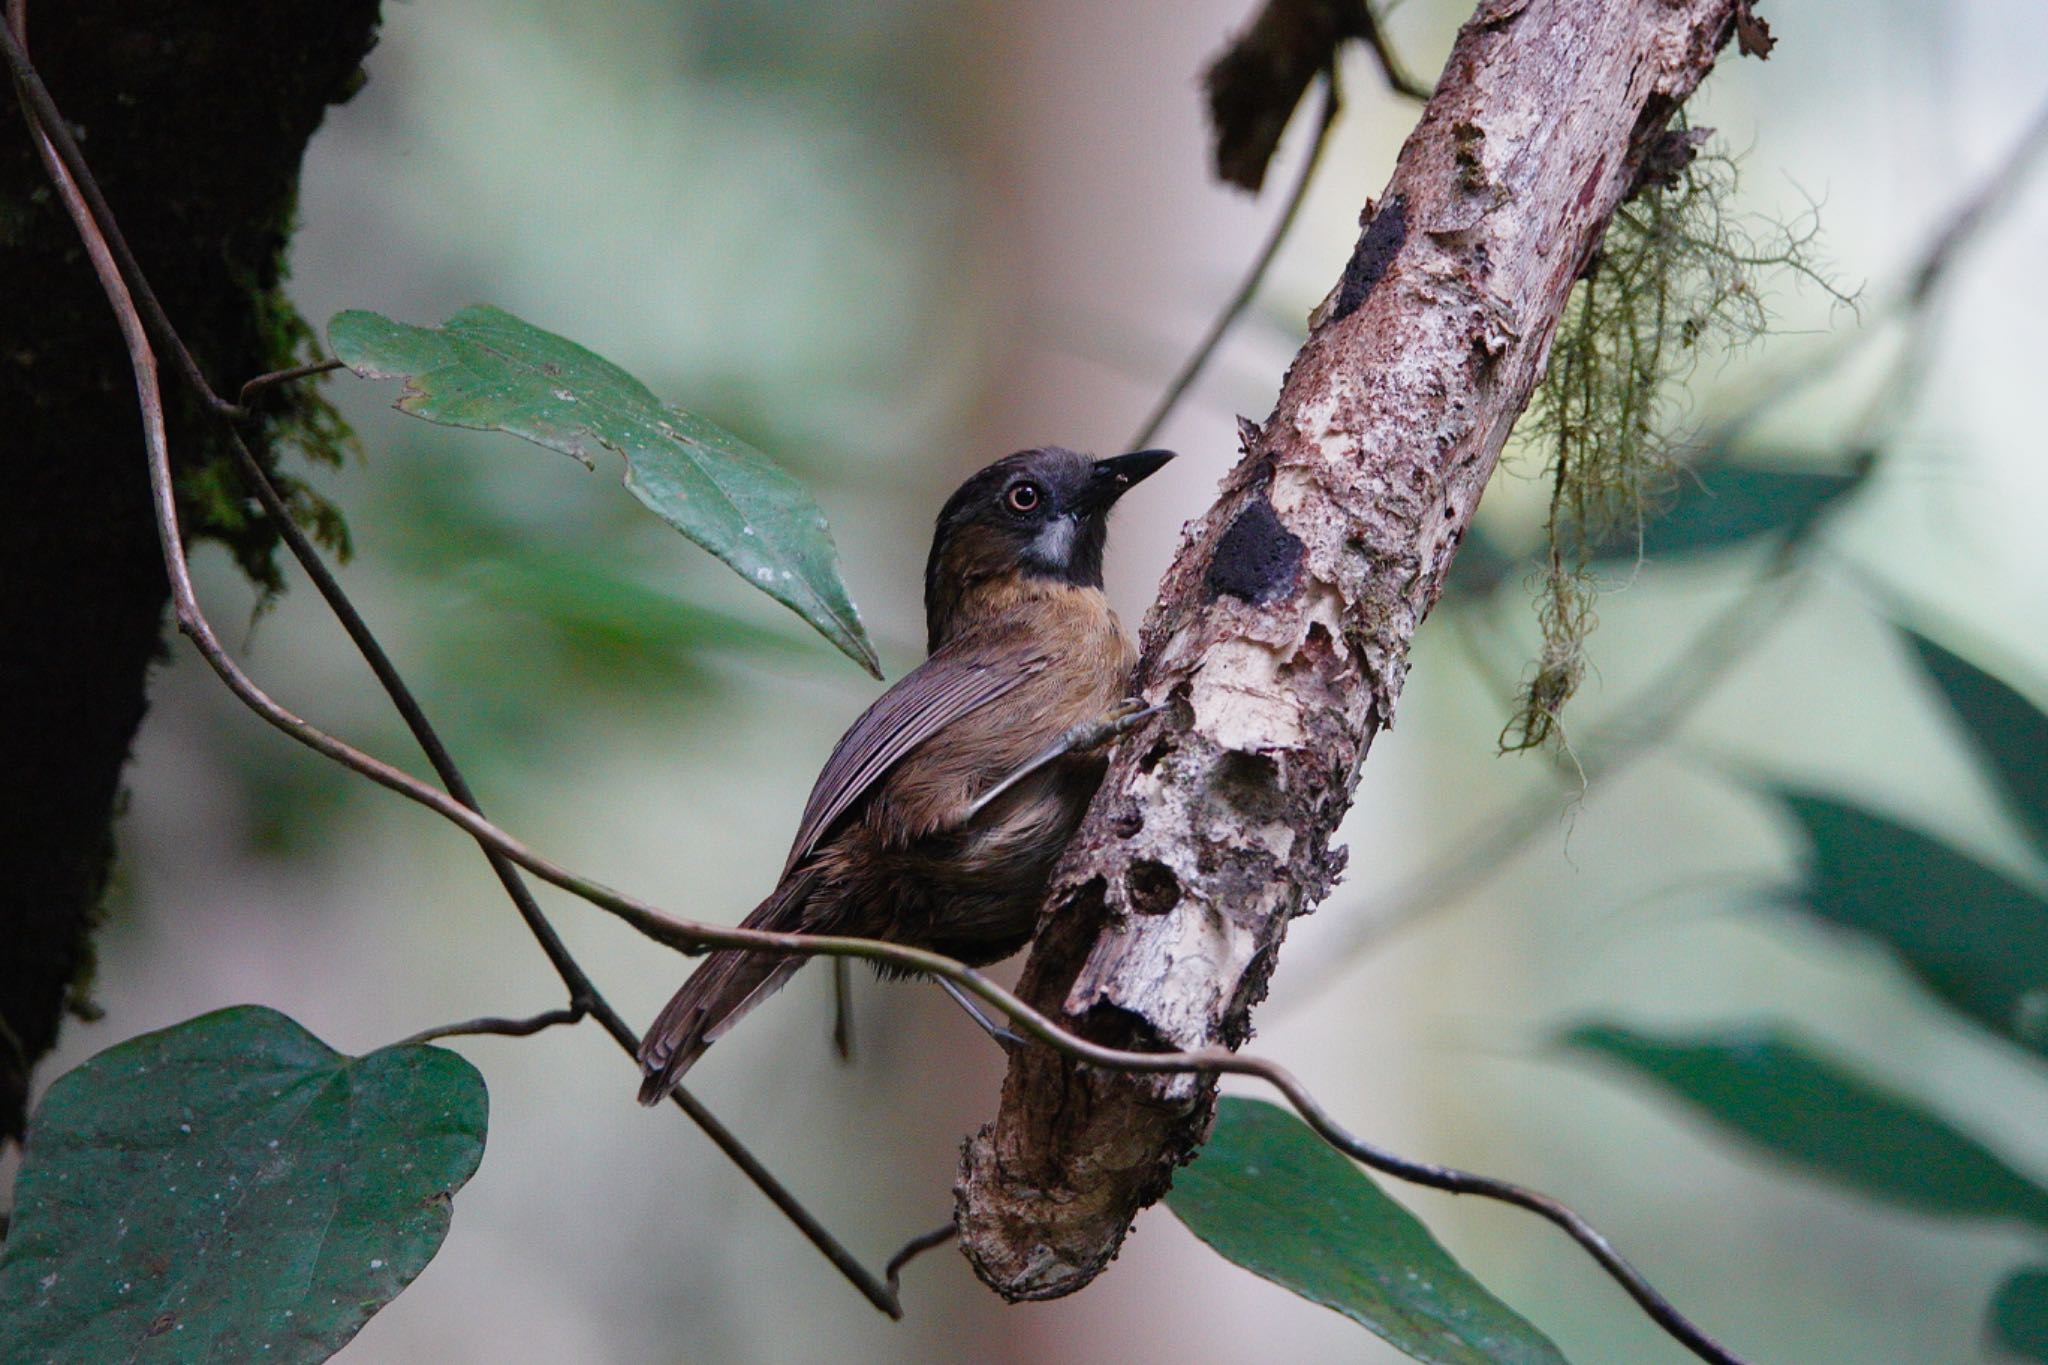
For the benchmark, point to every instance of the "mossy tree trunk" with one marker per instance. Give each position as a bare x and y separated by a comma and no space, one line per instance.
195,117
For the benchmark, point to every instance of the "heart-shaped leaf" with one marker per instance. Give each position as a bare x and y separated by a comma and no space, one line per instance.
1269,1194
1786,1097
231,1189
488,370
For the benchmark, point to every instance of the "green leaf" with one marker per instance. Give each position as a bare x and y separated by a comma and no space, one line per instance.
1773,1089
1971,934
2011,733
231,1189
1269,1194
489,371
1719,506
2019,1315
1728,503
595,615
1479,567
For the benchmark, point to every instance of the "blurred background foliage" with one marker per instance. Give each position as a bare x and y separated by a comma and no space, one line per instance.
888,242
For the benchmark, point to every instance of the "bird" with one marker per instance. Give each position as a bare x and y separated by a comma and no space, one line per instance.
939,816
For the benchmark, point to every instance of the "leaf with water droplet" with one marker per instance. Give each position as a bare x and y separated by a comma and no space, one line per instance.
488,370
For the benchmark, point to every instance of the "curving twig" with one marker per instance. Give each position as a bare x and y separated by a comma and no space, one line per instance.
126,286
1398,78
498,1026
693,937
914,1248
1191,369
263,382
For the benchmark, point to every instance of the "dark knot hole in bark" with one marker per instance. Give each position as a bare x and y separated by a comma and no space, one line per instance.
1150,887
1250,784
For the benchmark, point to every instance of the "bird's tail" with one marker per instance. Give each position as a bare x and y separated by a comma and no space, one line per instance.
724,987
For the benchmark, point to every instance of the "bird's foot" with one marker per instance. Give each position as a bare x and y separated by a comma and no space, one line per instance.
1007,1039
1112,725
842,1009
1126,716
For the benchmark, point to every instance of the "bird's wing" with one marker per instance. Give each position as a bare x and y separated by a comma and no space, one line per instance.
924,701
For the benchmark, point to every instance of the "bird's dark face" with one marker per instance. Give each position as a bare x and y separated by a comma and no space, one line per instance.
1037,514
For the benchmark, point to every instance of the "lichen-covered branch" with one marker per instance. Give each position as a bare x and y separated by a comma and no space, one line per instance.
1281,633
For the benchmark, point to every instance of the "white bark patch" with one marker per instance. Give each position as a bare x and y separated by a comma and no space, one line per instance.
1318,423
1191,954
1275,837
1239,701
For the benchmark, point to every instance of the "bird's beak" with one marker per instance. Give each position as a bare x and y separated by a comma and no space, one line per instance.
1115,476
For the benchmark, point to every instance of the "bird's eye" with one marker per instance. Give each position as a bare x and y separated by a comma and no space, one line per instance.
1022,497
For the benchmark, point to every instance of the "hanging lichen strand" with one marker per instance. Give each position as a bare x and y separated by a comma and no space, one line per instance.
1676,278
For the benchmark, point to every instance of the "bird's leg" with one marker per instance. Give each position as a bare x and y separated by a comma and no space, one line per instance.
988,1025
842,1008
1113,724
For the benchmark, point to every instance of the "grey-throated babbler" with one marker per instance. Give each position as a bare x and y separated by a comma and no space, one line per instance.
940,814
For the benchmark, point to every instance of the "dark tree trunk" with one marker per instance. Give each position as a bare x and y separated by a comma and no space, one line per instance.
194,117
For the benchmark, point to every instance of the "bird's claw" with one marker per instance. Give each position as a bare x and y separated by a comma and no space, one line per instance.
1008,1040
1113,724
1127,715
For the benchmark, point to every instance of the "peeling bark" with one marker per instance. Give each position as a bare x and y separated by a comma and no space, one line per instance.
1281,632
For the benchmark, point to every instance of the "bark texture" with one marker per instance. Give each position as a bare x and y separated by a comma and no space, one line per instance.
1281,632
194,117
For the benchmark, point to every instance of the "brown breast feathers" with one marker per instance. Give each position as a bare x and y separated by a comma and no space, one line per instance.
1079,663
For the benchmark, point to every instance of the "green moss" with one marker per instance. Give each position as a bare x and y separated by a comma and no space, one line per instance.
1676,278
216,500
299,417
